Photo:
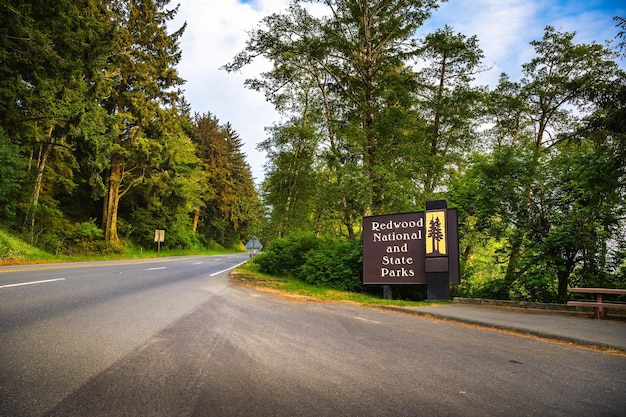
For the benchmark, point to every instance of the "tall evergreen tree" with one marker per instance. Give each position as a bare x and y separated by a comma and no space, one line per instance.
449,104
290,184
147,83
51,83
230,209
370,41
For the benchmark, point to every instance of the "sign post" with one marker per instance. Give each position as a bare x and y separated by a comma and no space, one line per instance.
159,236
437,261
254,246
413,248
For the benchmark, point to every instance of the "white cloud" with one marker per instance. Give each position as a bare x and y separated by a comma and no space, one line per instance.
216,31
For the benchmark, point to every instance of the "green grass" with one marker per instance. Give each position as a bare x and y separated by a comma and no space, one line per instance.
15,251
248,274
141,253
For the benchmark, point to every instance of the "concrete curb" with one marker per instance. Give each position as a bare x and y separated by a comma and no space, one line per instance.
514,329
547,307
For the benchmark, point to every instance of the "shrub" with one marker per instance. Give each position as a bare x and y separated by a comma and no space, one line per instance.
284,255
334,264
182,239
494,288
87,231
86,238
536,286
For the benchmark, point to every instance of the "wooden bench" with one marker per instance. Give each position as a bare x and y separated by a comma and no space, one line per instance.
599,304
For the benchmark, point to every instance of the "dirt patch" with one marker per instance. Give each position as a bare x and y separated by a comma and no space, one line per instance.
273,286
268,285
247,279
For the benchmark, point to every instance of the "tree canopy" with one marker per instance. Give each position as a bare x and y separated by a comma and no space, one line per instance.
97,138
380,121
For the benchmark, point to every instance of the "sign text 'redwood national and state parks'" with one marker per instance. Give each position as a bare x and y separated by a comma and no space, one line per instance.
391,248
402,248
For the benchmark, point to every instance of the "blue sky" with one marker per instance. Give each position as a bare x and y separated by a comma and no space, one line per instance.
217,30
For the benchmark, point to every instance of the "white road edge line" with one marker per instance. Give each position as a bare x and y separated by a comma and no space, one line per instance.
32,283
227,269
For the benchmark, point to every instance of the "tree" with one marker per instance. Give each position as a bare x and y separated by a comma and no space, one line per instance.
534,188
318,157
449,104
561,75
146,79
244,210
51,85
172,187
230,208
357,57
621,24
291,183
370,42
12,170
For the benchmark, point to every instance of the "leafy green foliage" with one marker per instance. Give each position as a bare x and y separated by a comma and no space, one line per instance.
334,264
97,128
289,187
87,238
13,249
550,187
285,255
141,103
344,81
12,171
483,271
86,231
227,207
327,261
97,143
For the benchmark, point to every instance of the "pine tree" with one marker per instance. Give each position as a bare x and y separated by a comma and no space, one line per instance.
145,62
51,86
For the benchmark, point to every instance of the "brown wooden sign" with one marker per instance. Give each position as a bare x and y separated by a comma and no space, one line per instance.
402,248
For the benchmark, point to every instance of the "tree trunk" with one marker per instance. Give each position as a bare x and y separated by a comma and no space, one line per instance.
509,276
112,201
335,163
105,203
117,174
196,219
29,221
563,282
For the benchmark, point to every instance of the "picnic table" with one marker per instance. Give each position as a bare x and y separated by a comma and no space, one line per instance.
600,305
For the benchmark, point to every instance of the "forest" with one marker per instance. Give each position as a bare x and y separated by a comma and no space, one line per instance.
99,147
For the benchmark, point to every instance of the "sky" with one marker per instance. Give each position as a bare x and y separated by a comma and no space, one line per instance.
218,29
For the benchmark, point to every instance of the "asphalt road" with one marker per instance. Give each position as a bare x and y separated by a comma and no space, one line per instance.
179,345
72,321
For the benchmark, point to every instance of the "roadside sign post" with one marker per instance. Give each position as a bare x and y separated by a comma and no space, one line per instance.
254,246
159,236
413,248
437,260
